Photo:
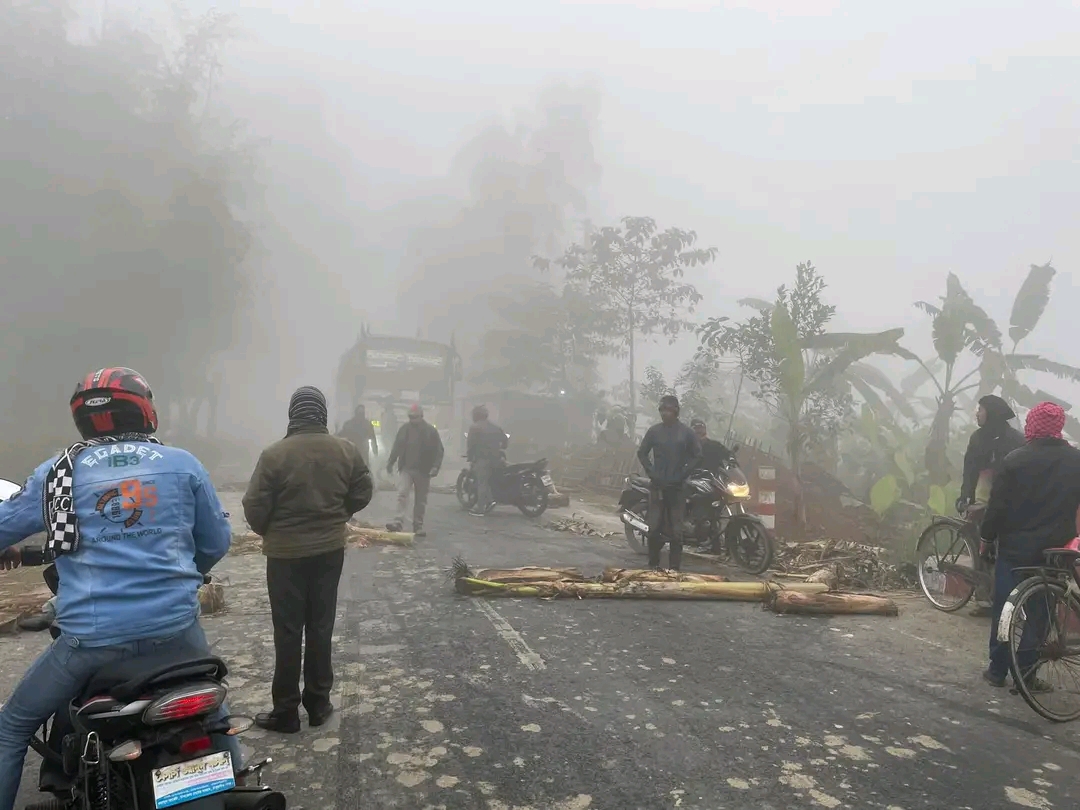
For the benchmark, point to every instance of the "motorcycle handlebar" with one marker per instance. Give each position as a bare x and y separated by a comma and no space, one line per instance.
32,555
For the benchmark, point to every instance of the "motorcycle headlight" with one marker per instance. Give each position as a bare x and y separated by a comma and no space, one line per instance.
740,492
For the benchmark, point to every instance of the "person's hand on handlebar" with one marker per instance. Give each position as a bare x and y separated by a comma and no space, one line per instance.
10,558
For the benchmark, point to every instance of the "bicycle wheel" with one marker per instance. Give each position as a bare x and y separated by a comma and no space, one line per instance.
1044,649
943,545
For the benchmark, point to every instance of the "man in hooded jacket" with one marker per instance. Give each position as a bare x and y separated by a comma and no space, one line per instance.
1033,506
994,439
304,490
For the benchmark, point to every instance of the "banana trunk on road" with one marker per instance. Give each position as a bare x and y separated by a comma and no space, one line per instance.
792,601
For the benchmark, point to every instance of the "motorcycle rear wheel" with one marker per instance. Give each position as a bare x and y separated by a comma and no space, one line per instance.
537,495
636,539
465,489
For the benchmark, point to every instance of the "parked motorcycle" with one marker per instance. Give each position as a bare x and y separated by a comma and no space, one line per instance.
525,486
716,517
139,735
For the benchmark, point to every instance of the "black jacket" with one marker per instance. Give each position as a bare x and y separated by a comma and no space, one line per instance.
431,449
675,450
714,454
1034,501
486,440
987,449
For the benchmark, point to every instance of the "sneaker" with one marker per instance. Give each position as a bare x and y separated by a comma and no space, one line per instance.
1037,685
394,526
419,532
997,681
477,513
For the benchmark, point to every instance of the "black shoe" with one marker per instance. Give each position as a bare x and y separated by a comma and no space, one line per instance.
280,723
393,526
319,718
419,533
997,681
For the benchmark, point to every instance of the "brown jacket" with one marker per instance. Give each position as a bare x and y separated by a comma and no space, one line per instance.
304,489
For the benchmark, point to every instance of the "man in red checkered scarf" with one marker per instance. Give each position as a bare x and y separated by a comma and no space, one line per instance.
1033,506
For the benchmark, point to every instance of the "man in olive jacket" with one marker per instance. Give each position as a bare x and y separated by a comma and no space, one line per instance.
303,491
418,453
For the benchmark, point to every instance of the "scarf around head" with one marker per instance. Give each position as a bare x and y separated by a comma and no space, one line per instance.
1045,421
58,507
307,409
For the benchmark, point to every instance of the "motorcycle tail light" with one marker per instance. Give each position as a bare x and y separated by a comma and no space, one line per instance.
183,704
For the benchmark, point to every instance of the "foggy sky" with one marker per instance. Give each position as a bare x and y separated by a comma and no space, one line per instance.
887,144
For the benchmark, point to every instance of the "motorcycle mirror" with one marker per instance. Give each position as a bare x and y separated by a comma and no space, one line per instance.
7,489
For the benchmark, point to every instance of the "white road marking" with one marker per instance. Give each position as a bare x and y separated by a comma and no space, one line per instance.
528,658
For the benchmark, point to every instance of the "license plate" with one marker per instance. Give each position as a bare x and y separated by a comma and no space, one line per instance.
545,480
194,779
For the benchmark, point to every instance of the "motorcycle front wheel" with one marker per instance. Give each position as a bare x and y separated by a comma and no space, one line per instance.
534,497
636,539
750,546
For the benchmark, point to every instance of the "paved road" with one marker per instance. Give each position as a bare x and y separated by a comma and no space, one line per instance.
451,702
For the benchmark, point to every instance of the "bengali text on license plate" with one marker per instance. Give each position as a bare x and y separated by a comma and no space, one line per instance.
546,480
191,780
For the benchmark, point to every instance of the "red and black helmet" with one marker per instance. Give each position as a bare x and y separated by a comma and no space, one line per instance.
112,401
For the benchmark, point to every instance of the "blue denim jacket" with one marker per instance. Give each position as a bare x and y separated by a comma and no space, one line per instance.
150,524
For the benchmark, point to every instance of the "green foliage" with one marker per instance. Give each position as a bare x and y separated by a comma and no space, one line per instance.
884,494
1030,302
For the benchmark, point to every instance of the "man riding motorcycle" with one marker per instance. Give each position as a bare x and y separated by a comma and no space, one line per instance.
714,454
133,526
484,448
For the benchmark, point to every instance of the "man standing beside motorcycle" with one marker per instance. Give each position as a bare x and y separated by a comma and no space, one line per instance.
133,526
484,449
675,452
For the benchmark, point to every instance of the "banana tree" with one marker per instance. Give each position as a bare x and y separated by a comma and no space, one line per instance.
812,372
963,331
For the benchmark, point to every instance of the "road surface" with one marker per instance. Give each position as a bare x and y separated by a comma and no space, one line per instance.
452,702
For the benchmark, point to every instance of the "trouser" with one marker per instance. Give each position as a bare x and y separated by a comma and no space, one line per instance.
667,505
58,676
483,469
1034,626
303,606
420,485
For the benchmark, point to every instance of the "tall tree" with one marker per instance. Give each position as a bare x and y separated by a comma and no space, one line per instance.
800,371
634,275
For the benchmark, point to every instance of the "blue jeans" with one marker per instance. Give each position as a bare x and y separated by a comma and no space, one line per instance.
55,679
1034,627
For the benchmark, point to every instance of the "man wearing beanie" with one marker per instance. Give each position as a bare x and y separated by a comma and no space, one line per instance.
1033,506
303,491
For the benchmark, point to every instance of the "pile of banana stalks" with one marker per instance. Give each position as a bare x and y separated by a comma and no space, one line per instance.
356,536
624,583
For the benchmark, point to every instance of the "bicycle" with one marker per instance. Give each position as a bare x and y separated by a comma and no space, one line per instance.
1041,625
949,579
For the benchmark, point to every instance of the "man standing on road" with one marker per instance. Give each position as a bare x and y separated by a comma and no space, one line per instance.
1033,506
713,453
484,448
675,453
359,430
303,491
418,453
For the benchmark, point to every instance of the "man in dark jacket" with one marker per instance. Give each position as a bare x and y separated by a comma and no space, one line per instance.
714,454
359,430
994,439
418,453
991,442
669,452
303,491
484,450
1033,506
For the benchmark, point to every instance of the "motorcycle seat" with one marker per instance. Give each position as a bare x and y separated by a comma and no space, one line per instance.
640,480
529,465
130,679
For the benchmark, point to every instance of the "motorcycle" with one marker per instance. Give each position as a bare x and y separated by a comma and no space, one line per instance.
716,517
139,735
525,486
